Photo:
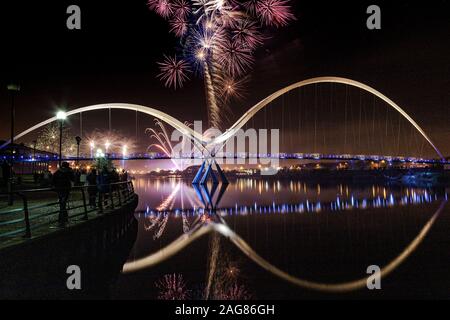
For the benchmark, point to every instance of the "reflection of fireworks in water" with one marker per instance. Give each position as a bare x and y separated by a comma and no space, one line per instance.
186,226
172,287
168,203
218,38
234,292
214,248
223,274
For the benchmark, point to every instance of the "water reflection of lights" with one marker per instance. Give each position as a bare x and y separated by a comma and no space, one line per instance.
223,229
308,206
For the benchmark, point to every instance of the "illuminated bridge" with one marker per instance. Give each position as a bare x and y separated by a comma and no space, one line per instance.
333,118
284,156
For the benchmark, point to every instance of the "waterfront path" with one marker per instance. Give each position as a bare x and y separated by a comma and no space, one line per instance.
35,212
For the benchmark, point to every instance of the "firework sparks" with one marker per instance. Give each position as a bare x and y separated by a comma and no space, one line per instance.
235,57
274,12
178,26
247,34
173,72
161,7
172,287
219,38
251,6
232,88
235,292
163,142
181,9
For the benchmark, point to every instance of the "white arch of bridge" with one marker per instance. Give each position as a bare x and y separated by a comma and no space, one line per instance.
265,102
197,137
175,123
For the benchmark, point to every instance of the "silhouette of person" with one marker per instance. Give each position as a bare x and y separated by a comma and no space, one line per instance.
62,182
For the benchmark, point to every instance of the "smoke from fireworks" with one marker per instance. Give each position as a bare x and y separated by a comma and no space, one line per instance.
48,140
218,39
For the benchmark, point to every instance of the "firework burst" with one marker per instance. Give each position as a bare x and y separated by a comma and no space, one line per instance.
178,26
218,39
235,292
161,7
275,12
232,88
236,58
181,8
246,34
172,287
173,72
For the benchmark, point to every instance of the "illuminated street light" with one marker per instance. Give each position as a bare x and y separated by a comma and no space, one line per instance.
99,153
61,116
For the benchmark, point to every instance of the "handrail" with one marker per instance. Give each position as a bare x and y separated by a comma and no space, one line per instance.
105,195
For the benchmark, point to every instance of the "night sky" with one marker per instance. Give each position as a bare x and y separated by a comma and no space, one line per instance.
113,59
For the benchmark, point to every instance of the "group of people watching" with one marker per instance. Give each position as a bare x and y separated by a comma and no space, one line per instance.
96,181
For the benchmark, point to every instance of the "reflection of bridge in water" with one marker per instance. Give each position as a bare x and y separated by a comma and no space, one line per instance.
208,199
337,205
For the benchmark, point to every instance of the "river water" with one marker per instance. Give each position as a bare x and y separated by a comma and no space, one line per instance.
271,239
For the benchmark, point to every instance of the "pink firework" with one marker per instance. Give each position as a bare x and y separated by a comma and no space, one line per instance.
274,12
178,26
181,8
235,57
172,287
173,72
246,33
251,5
232,88
161,7
234,292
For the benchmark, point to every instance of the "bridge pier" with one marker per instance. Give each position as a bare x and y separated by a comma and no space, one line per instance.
206,172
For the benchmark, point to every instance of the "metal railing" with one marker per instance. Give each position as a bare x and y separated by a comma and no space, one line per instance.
22,220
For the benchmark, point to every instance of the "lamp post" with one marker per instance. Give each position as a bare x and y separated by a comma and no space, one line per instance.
61,116
13,88
78,139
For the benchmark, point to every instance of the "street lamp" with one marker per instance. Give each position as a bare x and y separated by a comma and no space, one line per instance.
99,153
78,139
61,116
13,88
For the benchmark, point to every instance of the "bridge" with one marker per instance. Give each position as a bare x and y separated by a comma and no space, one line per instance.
211,146
283,156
